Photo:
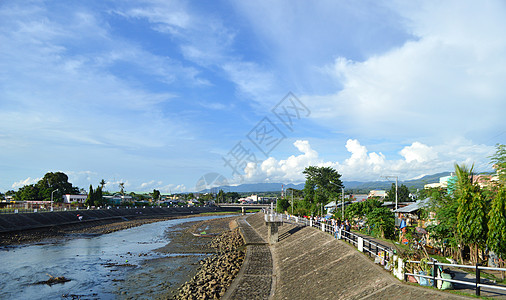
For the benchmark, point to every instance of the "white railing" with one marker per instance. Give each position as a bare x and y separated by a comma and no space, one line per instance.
436,275
383,253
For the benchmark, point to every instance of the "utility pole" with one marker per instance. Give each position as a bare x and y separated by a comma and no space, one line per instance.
52,199
396,179
292,202
342,208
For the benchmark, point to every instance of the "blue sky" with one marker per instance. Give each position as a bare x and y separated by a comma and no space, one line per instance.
156,94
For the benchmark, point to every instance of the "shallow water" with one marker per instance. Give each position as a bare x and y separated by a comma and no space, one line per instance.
93,263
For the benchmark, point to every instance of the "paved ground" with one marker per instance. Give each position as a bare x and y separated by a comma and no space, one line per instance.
254,281
309,264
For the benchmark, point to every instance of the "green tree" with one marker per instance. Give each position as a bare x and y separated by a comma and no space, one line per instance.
402,193
499,162
102,184
322,185
472,218
156,194
382,222
122,188
90,200
98,198
282,205
27,192
220,198
55,181
496,240
444,230
232,196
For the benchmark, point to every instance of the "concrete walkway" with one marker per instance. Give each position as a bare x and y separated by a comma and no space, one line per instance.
309,264
254,281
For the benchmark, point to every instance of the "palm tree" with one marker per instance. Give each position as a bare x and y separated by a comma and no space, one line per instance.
122,188
102,183
472,215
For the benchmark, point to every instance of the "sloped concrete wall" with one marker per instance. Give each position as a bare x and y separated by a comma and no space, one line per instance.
310,264
26,221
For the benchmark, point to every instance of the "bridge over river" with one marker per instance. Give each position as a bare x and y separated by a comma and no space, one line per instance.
245,206
307,263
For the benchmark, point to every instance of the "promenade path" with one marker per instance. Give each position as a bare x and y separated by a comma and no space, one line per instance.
309,264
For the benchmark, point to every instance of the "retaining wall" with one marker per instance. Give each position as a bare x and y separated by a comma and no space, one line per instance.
311,264
27,221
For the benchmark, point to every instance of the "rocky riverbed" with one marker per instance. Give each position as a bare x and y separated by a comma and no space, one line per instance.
190,266
95,227
216,272
73,230
188,257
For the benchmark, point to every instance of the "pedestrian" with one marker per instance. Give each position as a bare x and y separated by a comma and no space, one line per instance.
347,227
336,231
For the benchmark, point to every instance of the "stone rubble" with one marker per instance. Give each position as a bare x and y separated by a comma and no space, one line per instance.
216,272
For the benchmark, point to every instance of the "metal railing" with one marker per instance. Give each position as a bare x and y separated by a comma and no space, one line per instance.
55,209
387,254
37,210
382,252
437,276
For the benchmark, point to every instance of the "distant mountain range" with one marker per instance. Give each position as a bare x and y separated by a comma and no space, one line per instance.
354,185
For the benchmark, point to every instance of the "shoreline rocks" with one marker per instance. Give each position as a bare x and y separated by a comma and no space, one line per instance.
216,272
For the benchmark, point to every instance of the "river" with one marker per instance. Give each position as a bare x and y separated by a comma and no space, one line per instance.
94,264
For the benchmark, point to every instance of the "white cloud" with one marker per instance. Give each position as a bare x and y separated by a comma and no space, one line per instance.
290,169
363,165
418,152
82,176
151,184
53,89
114,185
27,181
447,81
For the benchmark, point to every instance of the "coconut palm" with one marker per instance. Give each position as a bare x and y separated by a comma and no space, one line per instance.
122,188
472,217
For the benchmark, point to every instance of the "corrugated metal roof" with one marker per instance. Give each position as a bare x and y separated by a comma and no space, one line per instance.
414,207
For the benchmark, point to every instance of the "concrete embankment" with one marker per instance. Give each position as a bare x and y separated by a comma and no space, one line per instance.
310,264
29,221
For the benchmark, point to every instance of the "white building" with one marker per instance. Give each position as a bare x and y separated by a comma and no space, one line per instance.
74,198
377,193
443,183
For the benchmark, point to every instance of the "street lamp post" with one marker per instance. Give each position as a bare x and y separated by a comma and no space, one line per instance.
52,199
292,202
342,196
342,208
396,179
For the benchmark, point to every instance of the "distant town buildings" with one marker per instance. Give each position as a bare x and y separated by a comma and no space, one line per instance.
117,199
74,198
443,183
377,193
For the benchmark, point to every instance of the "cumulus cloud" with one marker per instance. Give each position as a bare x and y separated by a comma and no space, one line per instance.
151,184
418,152
290,169
447,80
361,165
27,181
